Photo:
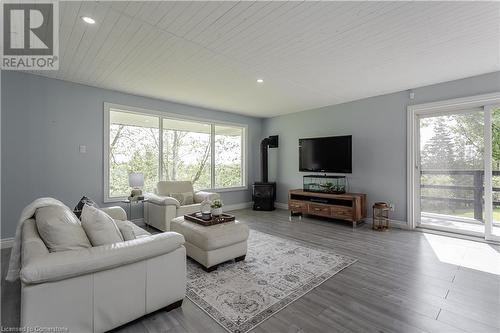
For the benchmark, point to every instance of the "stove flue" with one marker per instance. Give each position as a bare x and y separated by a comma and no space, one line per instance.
264,192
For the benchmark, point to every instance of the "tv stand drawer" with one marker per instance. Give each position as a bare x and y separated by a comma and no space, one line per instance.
341,212
317,209
297,206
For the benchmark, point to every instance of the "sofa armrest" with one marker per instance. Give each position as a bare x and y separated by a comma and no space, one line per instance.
200,196
116,212
66,264
32,245
162,200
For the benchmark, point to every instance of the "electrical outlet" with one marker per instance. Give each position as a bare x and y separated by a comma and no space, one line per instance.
392,206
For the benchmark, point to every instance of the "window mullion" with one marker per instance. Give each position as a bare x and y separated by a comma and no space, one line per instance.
243,159
212,155
160,147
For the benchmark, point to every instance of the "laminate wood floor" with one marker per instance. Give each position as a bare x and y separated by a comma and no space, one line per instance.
403,281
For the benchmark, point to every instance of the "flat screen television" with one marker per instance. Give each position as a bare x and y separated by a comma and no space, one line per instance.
327,154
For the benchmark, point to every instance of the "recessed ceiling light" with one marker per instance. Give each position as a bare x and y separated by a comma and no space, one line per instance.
88,20
260,80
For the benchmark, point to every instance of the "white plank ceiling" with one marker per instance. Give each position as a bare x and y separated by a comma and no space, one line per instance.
310,54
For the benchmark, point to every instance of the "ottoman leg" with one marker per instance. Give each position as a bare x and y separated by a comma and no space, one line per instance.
240,258
210,269
174,305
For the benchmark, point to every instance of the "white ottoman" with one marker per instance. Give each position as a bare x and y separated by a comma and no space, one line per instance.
214,244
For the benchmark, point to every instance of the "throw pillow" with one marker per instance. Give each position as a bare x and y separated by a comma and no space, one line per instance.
101,229
60,229
185,198
83,201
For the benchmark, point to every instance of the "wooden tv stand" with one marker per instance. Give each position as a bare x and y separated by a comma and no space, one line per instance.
348,206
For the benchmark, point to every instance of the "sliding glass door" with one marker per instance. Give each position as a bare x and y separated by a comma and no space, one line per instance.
456,179
451,159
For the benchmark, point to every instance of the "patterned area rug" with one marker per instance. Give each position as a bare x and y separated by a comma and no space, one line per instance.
276,272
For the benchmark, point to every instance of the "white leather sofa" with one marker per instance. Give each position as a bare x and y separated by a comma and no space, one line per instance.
161,208
103,287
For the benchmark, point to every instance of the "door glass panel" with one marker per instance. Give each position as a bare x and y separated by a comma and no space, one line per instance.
452,172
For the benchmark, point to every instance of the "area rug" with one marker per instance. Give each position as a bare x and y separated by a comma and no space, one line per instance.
276,272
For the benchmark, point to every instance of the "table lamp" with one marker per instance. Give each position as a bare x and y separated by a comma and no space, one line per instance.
136,181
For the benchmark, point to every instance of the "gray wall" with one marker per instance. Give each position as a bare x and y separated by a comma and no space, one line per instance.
378,127
45,120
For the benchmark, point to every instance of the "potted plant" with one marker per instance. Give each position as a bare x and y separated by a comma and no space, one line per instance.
216,207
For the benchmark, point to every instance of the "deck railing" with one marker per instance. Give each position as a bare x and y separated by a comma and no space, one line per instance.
477,188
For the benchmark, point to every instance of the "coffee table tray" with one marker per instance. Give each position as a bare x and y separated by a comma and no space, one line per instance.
196,218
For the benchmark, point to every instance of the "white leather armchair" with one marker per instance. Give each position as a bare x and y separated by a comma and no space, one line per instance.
99,288
161,208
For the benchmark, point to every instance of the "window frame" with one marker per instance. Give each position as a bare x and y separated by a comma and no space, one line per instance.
169,115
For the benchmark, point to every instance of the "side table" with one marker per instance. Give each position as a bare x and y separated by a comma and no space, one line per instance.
129,202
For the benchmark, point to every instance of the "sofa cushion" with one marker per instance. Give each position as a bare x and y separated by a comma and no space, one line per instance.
100,228
200,196
60,229
138,231
188,209
166,187
185,198
127,232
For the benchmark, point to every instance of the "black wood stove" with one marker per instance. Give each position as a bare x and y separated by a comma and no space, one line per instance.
264,192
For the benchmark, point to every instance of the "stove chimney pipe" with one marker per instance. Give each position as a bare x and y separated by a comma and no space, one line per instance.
270,142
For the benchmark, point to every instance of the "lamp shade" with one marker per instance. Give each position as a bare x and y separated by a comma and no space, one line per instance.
136,179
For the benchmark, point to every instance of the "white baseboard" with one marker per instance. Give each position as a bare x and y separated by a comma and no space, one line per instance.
242,205
281,205
393,223
5,243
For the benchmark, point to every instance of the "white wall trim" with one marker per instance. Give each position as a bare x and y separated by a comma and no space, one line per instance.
397,224
412,163
281,205
455,104
243,205
6,242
